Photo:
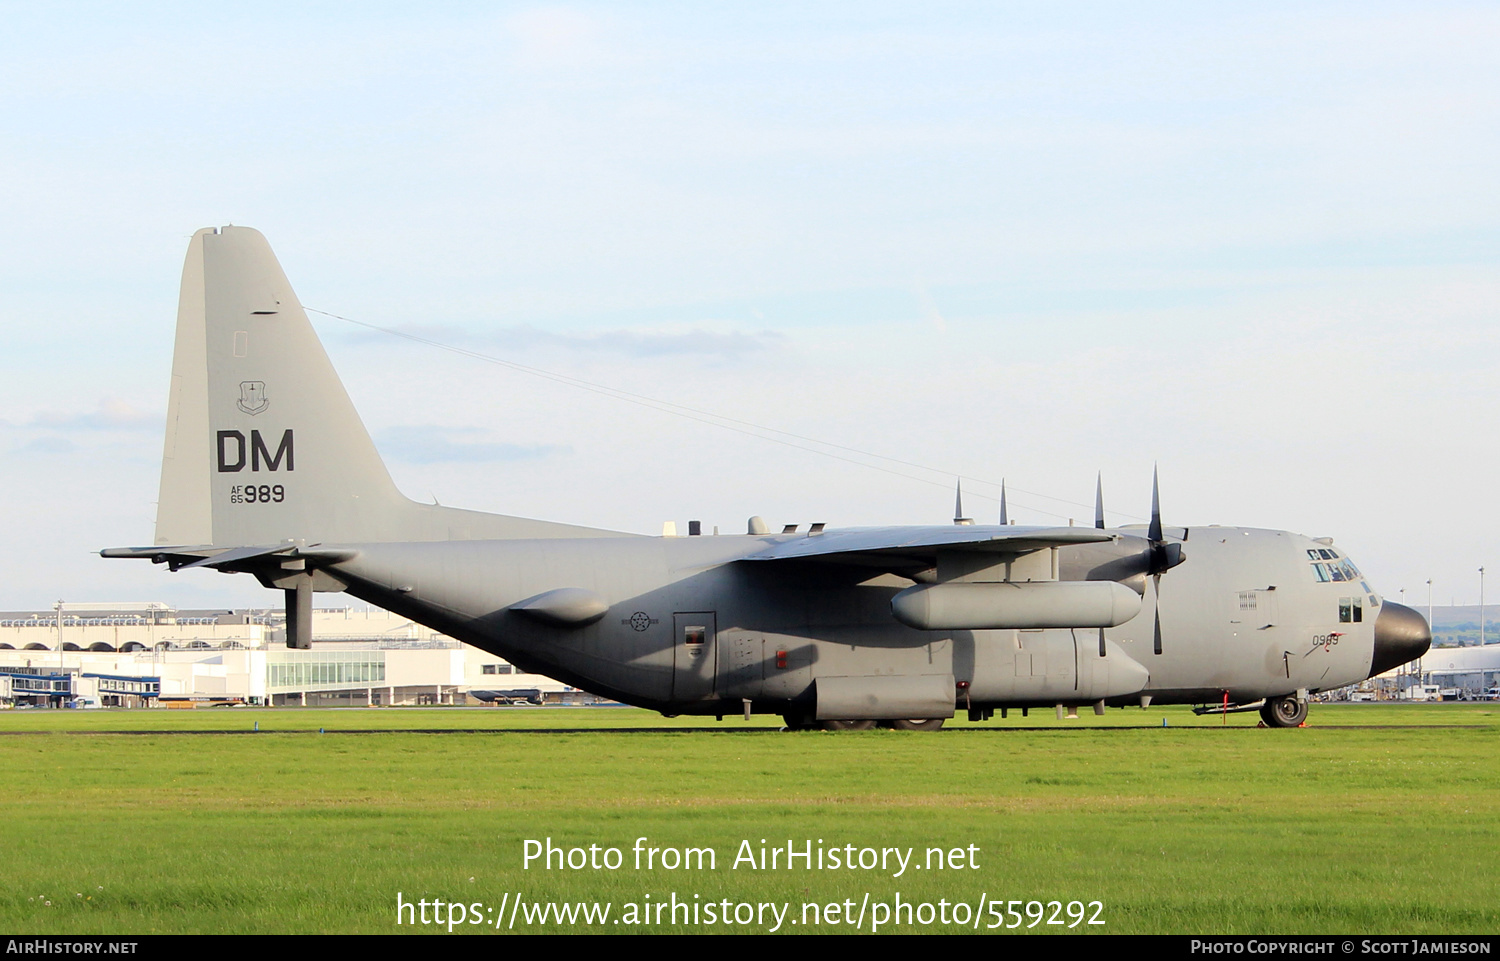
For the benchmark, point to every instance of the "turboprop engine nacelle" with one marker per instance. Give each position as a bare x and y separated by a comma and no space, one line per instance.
1015,605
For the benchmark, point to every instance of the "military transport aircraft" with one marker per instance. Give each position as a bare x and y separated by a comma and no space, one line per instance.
267,470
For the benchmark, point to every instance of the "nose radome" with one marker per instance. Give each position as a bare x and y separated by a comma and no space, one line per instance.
1401,635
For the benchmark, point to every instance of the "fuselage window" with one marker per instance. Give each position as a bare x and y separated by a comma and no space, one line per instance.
1351,610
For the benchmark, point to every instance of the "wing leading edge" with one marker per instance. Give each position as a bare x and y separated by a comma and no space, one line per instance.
871,543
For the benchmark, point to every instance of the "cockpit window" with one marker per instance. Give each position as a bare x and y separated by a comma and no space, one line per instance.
1351,610
1328,567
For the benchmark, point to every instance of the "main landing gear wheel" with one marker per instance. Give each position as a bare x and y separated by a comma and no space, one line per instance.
796,721
846,725
916,724
1284,712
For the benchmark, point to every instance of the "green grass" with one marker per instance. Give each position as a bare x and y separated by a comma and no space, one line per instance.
1375,819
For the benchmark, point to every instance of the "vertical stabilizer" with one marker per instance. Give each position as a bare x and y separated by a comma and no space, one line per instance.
263,443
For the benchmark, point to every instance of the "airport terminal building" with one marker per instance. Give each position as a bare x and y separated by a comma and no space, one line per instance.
149,654
1468,672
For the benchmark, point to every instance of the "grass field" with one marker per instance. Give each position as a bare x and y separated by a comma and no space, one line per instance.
1374,819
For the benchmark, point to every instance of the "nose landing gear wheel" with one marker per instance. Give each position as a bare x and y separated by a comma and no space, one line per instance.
1284,712
916,724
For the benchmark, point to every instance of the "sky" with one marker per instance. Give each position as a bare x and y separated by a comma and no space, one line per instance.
1253,246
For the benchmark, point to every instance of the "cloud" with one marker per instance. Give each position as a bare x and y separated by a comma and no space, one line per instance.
727,345
643,343
431,444
558,37
45,445
112,414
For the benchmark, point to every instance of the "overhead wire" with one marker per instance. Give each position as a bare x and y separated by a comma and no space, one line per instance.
725,422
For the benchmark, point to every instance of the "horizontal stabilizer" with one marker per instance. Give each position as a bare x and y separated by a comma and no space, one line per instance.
183,557
237,554
181,552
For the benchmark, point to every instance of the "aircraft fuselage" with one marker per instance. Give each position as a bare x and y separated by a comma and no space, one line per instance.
694,627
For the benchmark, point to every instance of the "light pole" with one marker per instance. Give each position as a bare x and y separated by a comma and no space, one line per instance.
1481,607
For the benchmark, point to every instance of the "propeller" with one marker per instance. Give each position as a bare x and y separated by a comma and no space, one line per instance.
1004,518
1099,523
1162,556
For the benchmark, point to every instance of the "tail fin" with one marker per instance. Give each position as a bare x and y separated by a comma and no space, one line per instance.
263,444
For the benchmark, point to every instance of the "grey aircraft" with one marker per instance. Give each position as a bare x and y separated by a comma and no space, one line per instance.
267,470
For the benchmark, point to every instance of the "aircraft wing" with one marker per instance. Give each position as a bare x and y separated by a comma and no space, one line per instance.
877,546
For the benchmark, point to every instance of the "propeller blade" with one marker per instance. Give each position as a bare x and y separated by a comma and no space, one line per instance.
1154,533
1004,518
1099,523
958,504
1163,556
1156,645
